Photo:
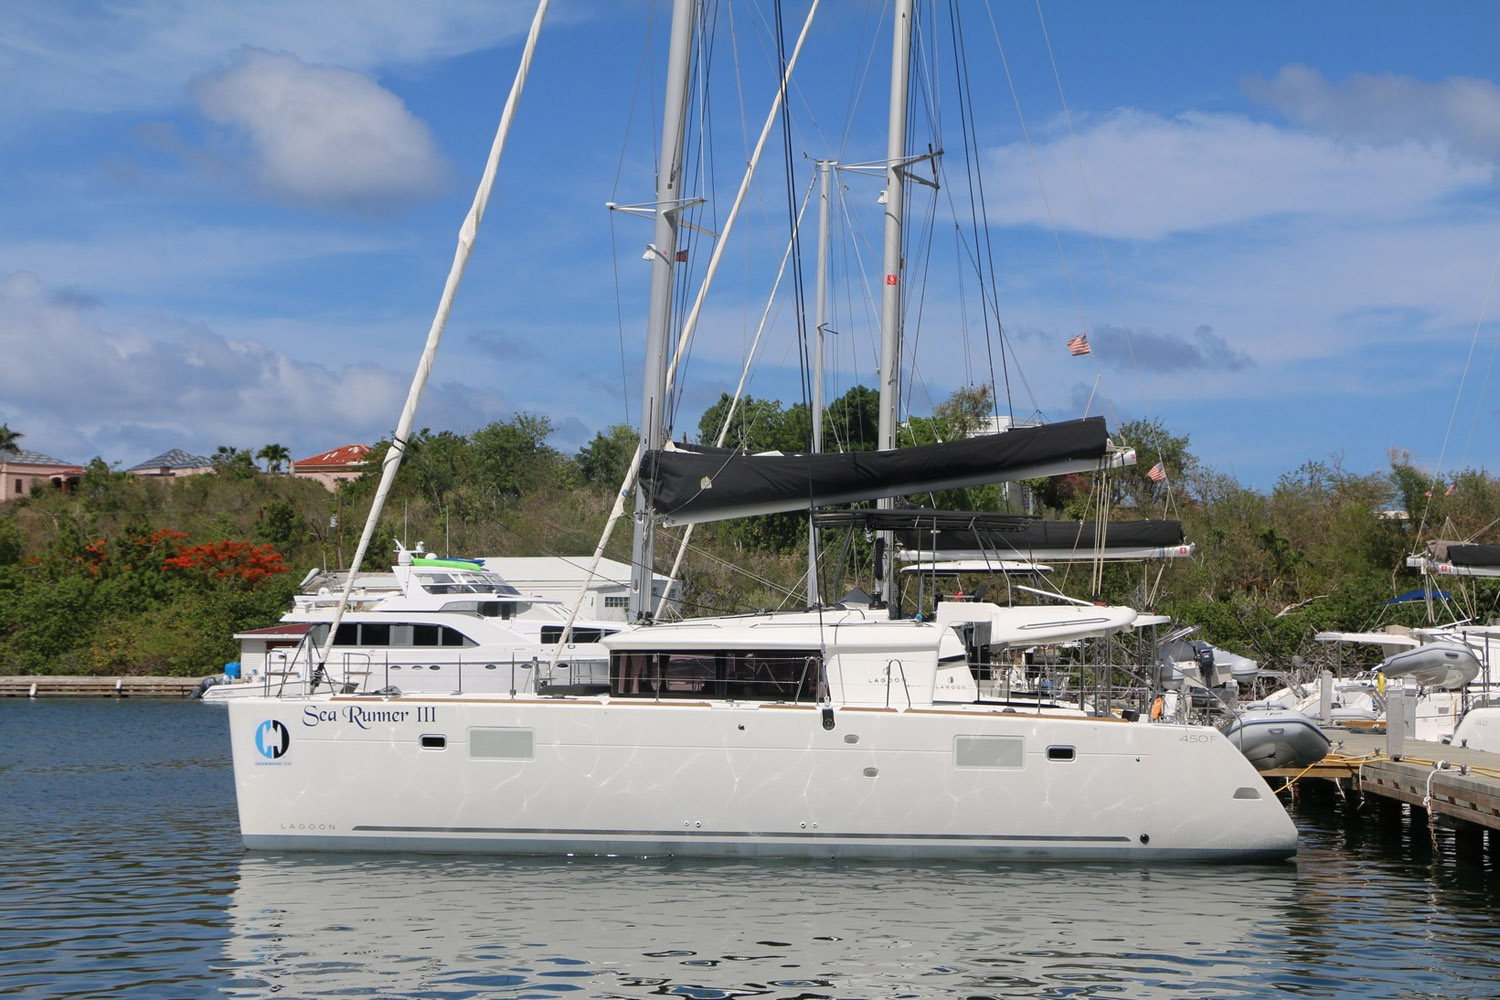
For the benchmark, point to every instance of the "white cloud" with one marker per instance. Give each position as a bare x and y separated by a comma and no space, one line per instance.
1151,176
78,384
132,57
1460,113
140,259
320,134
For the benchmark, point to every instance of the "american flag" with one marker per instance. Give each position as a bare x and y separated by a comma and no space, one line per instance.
1079,345
1158,473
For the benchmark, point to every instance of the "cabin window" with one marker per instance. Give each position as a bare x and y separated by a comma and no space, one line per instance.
615,601
989,751
502,744
383,634
779,675
434,742
374,635
553,633
1062,753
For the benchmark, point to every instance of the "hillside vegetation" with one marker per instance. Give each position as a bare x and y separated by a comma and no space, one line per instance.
131,575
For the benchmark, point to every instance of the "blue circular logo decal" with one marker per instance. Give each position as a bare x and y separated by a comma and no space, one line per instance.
272,739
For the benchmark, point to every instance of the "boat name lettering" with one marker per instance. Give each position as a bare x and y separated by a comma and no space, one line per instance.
308,826
363,717
1195,738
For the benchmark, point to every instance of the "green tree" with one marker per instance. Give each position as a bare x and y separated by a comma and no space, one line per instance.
8,439
512,457
1153,444
965,413
757,425
236,463
603,461
274,455
852,422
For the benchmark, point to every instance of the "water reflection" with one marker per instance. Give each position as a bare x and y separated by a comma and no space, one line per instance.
125,879
453,927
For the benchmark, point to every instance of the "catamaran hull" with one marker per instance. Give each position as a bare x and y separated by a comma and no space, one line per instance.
612,778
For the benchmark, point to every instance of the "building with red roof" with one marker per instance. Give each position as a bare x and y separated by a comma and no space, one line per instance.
335,465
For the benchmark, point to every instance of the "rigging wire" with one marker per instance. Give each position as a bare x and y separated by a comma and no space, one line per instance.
643,69
974,178
1036,169
1453,414
1114,288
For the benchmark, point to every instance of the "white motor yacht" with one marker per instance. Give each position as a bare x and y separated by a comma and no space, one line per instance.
432,625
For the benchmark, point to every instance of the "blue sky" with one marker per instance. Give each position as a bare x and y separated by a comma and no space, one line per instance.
230,223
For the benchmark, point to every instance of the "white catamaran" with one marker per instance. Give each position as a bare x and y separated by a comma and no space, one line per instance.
837,731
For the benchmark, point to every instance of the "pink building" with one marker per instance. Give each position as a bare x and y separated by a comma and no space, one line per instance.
21,470
334,466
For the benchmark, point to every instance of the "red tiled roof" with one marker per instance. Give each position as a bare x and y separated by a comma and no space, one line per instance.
349,454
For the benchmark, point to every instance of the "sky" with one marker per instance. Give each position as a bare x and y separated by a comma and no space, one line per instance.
230,224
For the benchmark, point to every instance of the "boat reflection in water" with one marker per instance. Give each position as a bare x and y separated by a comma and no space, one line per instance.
462,926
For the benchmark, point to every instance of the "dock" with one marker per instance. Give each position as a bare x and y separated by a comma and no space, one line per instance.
62,686
1438,782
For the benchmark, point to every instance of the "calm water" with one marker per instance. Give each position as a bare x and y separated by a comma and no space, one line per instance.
124,878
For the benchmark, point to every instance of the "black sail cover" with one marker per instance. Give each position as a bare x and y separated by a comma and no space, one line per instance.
1460,554
688,485
1047,536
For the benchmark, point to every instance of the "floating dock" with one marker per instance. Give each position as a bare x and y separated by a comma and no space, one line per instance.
1455,786
59,686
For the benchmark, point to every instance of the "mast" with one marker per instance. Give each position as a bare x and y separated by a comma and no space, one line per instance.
662,254
890,307
467,234
825,170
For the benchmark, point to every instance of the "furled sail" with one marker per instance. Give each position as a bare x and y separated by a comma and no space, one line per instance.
1457,559
1052,541
687,485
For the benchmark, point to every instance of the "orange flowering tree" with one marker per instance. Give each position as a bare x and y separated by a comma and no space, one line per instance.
237,562
142,601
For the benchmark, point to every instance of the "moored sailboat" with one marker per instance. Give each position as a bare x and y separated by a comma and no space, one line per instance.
839,731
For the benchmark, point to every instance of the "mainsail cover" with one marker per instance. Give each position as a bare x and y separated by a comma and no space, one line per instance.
688,485
1054,541
1457,559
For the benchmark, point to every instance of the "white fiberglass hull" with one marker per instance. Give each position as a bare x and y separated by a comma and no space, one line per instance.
590,776
1479,729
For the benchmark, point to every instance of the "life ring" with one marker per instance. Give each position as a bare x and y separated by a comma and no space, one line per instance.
1156,707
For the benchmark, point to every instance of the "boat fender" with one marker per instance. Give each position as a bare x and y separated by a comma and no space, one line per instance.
828,717
1156,707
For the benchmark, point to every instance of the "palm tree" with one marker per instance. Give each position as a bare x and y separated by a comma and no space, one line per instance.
8,439
273,455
